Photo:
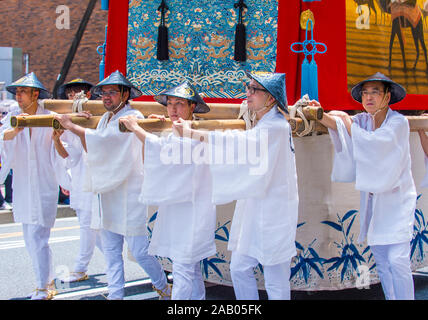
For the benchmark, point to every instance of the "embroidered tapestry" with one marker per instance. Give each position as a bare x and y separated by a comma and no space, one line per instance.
201,45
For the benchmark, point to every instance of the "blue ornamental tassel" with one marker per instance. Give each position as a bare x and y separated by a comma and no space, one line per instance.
240,35
104,5
162,50
101,50
313,80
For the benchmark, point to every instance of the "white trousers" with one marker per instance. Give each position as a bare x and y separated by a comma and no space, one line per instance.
36,239
188,282
89,238
113,246
276,278
394,270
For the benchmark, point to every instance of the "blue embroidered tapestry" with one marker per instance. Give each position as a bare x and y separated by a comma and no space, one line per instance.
201,45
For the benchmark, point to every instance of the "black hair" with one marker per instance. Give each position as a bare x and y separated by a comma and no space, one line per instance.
189,102
386,86
78,87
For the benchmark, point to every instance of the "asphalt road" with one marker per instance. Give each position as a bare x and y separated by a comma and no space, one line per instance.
17,279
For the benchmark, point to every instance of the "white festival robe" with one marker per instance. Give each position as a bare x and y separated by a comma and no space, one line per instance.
265,218
184,229
379,162
114,174
38,170
76,163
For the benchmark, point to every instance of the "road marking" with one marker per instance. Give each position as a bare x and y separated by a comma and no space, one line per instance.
10,235
84,292
18,234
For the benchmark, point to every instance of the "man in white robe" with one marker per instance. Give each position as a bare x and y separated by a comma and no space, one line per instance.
424,143
264,184
80,200
184,230
373,150
115,174
38,170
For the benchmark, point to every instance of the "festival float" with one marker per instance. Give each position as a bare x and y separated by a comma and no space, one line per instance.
324,48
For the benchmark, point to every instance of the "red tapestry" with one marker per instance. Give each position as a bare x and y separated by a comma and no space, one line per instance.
335,21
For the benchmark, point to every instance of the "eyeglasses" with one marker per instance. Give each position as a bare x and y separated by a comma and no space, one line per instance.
374,93
252,90
108,93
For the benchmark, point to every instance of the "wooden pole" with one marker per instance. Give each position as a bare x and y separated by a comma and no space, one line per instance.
48,121
219,125
415,123
96,108
156,125
218,110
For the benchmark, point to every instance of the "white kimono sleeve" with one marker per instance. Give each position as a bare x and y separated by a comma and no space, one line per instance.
380,155
111,157
167,177
73,146
239,174
343,163
61,172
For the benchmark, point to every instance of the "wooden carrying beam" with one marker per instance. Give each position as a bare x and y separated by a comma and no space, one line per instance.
96,108
218,110
152,125
418,123
156,125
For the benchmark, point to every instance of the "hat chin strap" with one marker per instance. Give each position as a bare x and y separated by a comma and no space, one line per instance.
378,110
121,102
29,105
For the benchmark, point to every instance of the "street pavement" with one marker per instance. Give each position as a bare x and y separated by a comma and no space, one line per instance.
17,278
